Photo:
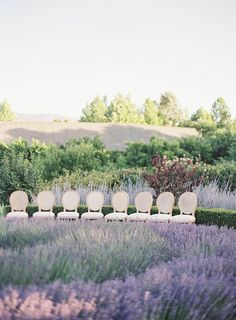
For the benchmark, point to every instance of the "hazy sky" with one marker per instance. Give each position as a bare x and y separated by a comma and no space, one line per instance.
57,55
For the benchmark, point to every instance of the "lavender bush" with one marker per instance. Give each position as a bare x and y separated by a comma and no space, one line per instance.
195,280
44,252
211,196
131,188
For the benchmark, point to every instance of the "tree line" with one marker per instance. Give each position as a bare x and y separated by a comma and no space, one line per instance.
165,112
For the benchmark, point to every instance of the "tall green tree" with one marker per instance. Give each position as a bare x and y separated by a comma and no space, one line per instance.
122,110
203,121
6,113
151,112
220,113
170,111
95,111
202,114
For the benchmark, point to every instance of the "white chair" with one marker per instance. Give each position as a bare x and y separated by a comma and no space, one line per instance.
94,201
187,205
45,201
70,201
120,203
18,202
165,203
143,203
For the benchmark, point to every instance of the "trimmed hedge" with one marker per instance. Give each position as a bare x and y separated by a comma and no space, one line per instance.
215,216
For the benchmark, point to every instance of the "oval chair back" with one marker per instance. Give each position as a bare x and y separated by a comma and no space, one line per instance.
94,201
18,200
165,203
70,200
143,202
46,200
187,203
120,201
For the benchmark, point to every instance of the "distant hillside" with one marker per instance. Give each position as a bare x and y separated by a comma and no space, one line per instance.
114,136
42,117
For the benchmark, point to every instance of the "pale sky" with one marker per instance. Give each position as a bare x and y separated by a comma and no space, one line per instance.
57,55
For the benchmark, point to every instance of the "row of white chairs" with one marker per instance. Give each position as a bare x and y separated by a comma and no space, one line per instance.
187,204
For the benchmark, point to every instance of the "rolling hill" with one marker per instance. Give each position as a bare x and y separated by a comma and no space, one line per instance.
114,136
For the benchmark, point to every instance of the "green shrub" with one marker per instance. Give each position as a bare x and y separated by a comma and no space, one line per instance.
224,173
221,143
111,178
197,147
16,173
214,216
139,154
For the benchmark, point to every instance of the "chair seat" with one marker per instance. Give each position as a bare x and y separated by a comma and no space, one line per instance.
163,217
138,216
183,218
92,215
116,216
65,215
17,215
44,215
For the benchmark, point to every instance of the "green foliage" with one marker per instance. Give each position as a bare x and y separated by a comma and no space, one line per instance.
208,216
220,113
222,142
151,112
86,159
224,173
139,154
16,173
197,147
6,114
122,110
219,217
95,111
83,154
169,110
110,178
202,115
203,121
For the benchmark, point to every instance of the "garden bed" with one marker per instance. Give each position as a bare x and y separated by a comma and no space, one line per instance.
207,216
91,270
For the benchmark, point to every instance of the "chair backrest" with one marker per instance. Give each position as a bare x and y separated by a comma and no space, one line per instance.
120,201
95,200
18,200
45,200
70,200
187,203
143,202
165,202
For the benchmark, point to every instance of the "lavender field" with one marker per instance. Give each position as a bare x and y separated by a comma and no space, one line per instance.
90,270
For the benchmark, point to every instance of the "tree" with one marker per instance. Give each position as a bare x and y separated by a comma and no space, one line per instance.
122,110
6,114
202,115
169,110
151,112
203,121
95,111
220,113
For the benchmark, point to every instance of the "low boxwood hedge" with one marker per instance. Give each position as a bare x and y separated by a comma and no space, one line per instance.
215,216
